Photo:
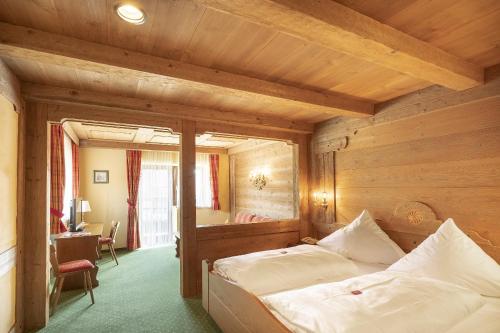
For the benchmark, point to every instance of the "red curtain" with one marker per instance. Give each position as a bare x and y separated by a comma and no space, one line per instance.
214,180
56,178
133,176
76,169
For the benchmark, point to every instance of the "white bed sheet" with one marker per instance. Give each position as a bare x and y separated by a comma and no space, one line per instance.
272,271
389,302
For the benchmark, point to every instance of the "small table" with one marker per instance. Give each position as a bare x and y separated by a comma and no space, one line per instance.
79,245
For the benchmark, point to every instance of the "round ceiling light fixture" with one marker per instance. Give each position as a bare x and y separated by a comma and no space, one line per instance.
131,14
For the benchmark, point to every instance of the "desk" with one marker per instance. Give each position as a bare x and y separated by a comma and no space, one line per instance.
79,245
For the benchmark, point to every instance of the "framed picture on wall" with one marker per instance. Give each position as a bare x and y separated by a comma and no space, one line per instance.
101,176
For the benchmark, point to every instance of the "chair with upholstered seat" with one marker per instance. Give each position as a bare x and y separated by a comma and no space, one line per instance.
61,270
110,241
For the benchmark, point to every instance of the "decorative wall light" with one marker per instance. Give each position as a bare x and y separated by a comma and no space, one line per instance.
259,177
321,199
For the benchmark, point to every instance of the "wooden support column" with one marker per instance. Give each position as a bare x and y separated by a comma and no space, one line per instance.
188,209
303,143
36,225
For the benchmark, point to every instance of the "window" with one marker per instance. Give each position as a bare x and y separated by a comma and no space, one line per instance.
203,190
156,195
68,178
155,205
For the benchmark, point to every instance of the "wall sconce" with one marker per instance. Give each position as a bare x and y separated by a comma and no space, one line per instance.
321,199
259,178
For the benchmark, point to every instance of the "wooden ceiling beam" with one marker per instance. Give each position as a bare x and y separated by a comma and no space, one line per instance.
60,95
335,26
36,45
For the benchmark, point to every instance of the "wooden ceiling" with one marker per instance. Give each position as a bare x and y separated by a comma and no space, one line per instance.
193,33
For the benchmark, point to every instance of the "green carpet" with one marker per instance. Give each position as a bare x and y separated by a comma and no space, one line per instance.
139,295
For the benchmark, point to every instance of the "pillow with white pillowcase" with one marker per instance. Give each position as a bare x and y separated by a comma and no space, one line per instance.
363,240
450,255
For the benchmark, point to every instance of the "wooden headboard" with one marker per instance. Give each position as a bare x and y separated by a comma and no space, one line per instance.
410,223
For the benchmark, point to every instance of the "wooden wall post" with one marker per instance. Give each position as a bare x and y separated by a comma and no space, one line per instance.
20,219
36,226
305,225
188,209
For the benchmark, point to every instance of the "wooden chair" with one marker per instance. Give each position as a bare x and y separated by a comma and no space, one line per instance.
61,270
110,241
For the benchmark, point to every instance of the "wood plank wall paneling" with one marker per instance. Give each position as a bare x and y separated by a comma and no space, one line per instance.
323,180
448,158
279,197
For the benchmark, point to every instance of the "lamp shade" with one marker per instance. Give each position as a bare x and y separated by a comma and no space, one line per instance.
85,207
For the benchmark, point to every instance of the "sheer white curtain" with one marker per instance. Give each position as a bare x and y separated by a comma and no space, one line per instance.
203,190
68,178
156,198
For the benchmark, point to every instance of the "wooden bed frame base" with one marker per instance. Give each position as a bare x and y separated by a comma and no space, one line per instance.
234,309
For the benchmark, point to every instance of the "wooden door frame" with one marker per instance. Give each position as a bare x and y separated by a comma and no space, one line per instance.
36,234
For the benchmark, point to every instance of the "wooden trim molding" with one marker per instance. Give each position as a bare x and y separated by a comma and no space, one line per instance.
62,113
71,133
223,231
203,127
36,45
144,146
8,260
335,26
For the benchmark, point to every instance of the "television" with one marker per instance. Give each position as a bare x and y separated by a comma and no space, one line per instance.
75,215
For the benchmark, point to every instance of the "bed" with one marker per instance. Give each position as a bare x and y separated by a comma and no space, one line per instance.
235,309
277,270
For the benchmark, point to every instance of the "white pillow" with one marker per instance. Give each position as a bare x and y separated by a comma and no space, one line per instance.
364,241
451,256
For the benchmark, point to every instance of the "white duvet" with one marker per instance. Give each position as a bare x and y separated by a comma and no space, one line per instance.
284,269
382,302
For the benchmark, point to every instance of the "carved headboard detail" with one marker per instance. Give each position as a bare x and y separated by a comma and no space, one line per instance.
412,217
411,222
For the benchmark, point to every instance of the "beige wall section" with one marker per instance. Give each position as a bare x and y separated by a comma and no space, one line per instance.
8,212
278,199
8,300
108,201
8,174
448,159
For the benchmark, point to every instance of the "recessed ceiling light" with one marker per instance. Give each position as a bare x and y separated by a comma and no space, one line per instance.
131,14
